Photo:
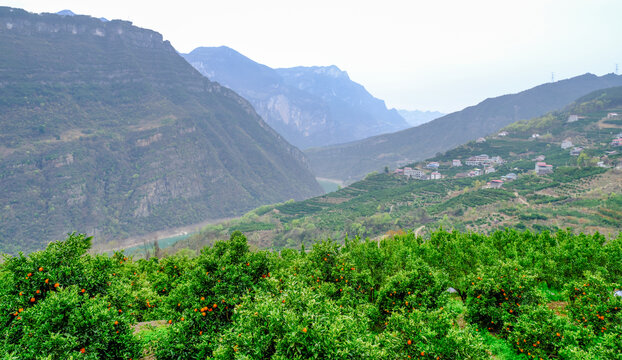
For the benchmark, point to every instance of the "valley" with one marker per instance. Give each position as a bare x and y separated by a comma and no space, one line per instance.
583,192
163,205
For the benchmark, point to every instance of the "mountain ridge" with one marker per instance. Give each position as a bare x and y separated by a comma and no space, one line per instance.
353,160
309,106
105,128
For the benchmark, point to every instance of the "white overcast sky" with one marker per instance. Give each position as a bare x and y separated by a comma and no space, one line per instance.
427,55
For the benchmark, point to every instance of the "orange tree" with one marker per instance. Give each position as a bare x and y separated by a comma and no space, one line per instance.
63,294
299,323
499,294
541,334
591,304
419,287
201,304
429,335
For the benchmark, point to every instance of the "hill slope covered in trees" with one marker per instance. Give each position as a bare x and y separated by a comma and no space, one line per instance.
104,127
352,161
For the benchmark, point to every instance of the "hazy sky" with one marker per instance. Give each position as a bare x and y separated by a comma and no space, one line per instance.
427,55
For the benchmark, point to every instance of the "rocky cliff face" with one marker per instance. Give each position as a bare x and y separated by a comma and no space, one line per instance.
309,106
104,128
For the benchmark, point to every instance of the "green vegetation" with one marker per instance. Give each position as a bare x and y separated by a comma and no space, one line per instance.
352,161
118,134
520,296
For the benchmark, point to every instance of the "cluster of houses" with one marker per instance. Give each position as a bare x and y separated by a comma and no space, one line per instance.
418,174
617,141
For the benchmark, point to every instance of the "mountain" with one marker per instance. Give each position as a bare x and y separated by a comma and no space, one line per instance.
418,117
582,192
309,106
67,12
351,161
105,129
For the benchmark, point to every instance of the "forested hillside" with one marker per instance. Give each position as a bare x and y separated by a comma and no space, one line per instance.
583,191
105,128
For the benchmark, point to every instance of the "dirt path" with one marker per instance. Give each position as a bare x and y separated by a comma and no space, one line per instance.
521,199
148,324
419,229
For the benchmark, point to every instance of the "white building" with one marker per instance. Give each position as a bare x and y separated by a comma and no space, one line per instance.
414,173
433,165
435,176
456,162
490,170
567,144
480,140
503,133
573,118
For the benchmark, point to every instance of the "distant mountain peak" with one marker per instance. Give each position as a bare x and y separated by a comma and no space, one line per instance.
66,12
309,105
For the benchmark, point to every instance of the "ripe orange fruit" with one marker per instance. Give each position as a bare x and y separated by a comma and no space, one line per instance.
170,321
40,269
409,342
56,285
82,291
83,350
116,322
304,330
32,299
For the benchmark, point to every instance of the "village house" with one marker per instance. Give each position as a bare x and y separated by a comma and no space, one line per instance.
543,168
576,151
489,170
480,140
478,160
398,171
435,175
456,162
509,177
503,133
495,184
540,158
567,144
573,118
535,136
475,172
414,173
497,160
612,115
616,142
433,165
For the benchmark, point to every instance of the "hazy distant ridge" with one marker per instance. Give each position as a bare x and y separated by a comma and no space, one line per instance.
352,161
309,106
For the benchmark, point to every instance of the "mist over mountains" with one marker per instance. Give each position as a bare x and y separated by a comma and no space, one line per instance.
309,106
